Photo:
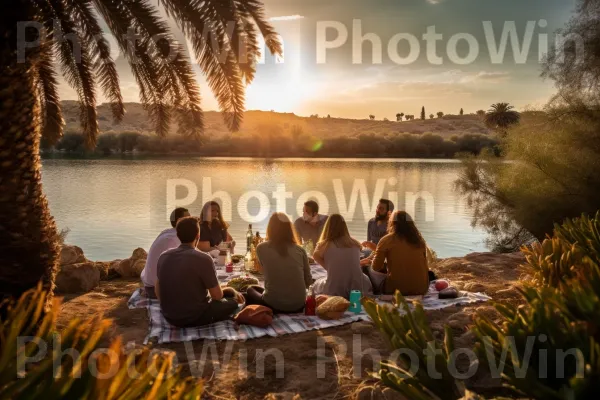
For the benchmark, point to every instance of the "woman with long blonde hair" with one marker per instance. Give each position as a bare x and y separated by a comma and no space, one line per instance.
339,254
285,267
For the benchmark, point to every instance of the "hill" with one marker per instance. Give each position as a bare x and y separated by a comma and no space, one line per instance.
137,120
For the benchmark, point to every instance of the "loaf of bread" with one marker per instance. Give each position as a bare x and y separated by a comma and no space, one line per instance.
333,308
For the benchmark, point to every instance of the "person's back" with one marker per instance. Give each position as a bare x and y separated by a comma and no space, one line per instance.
286,276
407,268
344,273
166,240
185,275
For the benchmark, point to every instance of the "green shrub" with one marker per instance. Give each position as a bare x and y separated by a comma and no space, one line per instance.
155,376
411,331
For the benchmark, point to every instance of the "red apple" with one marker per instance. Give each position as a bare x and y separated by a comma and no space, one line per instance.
441,285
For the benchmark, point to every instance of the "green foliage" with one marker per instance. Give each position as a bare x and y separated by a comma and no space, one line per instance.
563,304
411,332
96,373
501,116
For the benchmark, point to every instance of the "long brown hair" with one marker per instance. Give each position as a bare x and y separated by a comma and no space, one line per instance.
402,225
336,231
206,211
281,233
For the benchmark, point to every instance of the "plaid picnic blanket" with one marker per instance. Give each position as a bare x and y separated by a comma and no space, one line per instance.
282,324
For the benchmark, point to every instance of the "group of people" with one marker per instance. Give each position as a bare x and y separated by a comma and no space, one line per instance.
181,274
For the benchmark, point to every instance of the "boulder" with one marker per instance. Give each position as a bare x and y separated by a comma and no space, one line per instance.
71,255
77,278
107,270
131,267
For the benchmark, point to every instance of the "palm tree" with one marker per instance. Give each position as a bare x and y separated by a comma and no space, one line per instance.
501,116
68,34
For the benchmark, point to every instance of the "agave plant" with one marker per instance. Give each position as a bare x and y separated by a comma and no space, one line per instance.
72,365
39,36
410,331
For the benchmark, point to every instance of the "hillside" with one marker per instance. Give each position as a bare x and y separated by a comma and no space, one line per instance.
136,120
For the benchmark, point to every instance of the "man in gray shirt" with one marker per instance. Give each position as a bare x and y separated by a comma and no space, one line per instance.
186,277
310,225
377,227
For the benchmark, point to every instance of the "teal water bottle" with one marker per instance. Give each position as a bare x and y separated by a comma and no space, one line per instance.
355,305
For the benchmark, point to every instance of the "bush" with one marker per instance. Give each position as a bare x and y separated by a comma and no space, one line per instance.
155,377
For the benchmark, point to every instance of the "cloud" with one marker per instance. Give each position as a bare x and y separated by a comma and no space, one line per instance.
287,18
435,1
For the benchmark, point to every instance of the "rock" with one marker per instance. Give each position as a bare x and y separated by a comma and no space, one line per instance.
139,253
131,267
77,278
282,396
107,270
71,255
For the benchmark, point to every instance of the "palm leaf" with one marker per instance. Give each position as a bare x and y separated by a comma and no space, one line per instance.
47,83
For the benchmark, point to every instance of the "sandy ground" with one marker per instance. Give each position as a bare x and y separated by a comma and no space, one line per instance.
329,364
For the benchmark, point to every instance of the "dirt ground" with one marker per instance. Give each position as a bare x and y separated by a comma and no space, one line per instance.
329,364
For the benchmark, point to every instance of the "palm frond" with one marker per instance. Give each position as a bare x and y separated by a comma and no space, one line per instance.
213,53
104,65
256,9
47,83
74,57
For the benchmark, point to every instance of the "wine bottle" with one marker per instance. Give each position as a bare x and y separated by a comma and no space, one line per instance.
249,238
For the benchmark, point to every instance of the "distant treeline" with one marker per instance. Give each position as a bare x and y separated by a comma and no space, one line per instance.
274,141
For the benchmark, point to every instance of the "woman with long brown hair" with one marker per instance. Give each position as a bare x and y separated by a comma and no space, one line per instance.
405,251
285,267
213,228
339,254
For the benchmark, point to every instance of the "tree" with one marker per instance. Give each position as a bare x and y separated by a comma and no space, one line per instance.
399,117
107,143
29,247
385,119
461,111
440,114
423,113
407,117
371,117
501,116
481,113
431,116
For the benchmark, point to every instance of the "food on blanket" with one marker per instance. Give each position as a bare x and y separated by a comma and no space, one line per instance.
448,293
255,315
321,299
333,308
236,258
441,284
241,284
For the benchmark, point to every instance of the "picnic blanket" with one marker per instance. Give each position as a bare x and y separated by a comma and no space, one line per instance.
284,324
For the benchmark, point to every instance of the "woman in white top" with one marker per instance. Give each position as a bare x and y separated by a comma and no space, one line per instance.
339,254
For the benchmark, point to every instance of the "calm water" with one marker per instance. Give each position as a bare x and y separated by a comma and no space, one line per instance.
114,206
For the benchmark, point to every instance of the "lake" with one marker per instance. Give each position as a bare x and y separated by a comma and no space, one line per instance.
113,206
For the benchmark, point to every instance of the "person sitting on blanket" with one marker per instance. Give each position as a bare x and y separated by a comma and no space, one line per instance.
310,225
339,254
404,249
285,268
166,240
185,278
213,228
376,229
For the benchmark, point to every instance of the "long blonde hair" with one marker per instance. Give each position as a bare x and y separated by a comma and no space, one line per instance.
336,231
281,233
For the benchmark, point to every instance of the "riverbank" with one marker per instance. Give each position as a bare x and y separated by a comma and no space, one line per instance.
305,370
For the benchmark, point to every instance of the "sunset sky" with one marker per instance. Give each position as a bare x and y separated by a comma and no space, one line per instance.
342,88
